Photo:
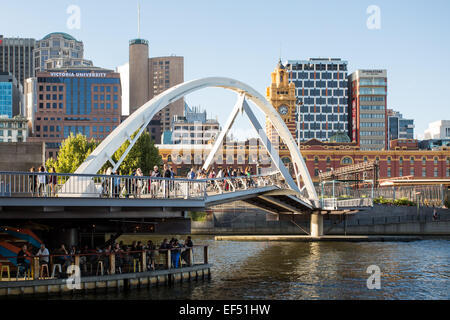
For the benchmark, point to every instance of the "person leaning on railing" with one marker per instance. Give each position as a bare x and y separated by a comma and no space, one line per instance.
32,182
53,182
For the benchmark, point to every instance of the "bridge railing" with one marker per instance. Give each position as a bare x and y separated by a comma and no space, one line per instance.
35,184
31,184
238,183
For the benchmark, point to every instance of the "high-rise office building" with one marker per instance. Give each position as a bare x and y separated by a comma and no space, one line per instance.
73,101
59,50
399,127
367,101
321,91
16,57
11,96
149,77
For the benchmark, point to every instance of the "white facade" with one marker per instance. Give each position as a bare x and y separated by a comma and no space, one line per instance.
438,130
13,129
124,71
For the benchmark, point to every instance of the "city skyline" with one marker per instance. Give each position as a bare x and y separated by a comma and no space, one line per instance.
245,44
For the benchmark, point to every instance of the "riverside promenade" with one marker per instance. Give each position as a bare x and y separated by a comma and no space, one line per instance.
103,272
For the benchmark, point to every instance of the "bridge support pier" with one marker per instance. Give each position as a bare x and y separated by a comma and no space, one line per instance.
316,224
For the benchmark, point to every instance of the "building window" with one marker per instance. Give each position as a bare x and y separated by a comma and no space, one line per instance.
347,160
389,172
365,159
424,172
328,160
400,161
401,172
316,172
411,172
412,161
435,160
435,172
316,160
424,161
389,160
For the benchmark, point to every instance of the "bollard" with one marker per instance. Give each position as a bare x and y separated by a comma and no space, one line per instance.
112,264
144,261
35,268
205,255
191,256
168,262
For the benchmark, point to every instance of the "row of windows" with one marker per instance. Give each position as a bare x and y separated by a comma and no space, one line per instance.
372,116
372,133
321,109
372,124
365,98
52,88
372,107
320,84
372,82
319,67
51,97
318,126
322,101
319,76
371,141
108,97
322,117
102,89
424,172
381,91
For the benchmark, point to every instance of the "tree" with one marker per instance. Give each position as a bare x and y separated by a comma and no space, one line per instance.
72,153
143,155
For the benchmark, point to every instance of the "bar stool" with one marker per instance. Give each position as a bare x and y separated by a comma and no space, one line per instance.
54,269
26,274
134,265
41,270
3,269
100,264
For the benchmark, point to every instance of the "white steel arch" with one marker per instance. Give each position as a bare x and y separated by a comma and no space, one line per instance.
139,120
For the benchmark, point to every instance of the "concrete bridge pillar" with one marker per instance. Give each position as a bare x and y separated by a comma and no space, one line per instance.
316,225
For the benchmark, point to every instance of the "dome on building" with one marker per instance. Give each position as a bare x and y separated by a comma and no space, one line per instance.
62,34
340,137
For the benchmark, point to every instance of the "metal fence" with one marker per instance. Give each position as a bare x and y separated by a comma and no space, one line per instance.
425,195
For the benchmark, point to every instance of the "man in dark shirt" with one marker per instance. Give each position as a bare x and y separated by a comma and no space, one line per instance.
22,265
188,244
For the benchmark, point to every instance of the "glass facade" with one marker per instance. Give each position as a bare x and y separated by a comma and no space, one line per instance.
6,99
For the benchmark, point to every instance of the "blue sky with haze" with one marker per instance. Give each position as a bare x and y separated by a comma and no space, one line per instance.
242,40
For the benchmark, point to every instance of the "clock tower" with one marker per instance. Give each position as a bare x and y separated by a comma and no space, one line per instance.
281,94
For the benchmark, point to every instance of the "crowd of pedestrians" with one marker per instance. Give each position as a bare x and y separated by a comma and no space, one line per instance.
43,183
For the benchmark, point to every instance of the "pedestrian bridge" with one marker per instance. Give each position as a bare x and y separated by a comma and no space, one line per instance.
132,196
124,193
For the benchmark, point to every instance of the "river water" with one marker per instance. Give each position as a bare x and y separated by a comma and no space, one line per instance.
316,270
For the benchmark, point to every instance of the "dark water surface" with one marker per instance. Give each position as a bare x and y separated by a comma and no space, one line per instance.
317,270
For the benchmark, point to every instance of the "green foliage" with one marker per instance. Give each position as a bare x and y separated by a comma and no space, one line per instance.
398,202
72,153
197,216
143,155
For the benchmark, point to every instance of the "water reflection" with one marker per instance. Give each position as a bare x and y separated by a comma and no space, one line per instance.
294,270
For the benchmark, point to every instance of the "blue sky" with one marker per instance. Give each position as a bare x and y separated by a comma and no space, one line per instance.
242,40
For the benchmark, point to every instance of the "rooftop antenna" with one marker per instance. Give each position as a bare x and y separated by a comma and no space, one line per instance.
139,20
